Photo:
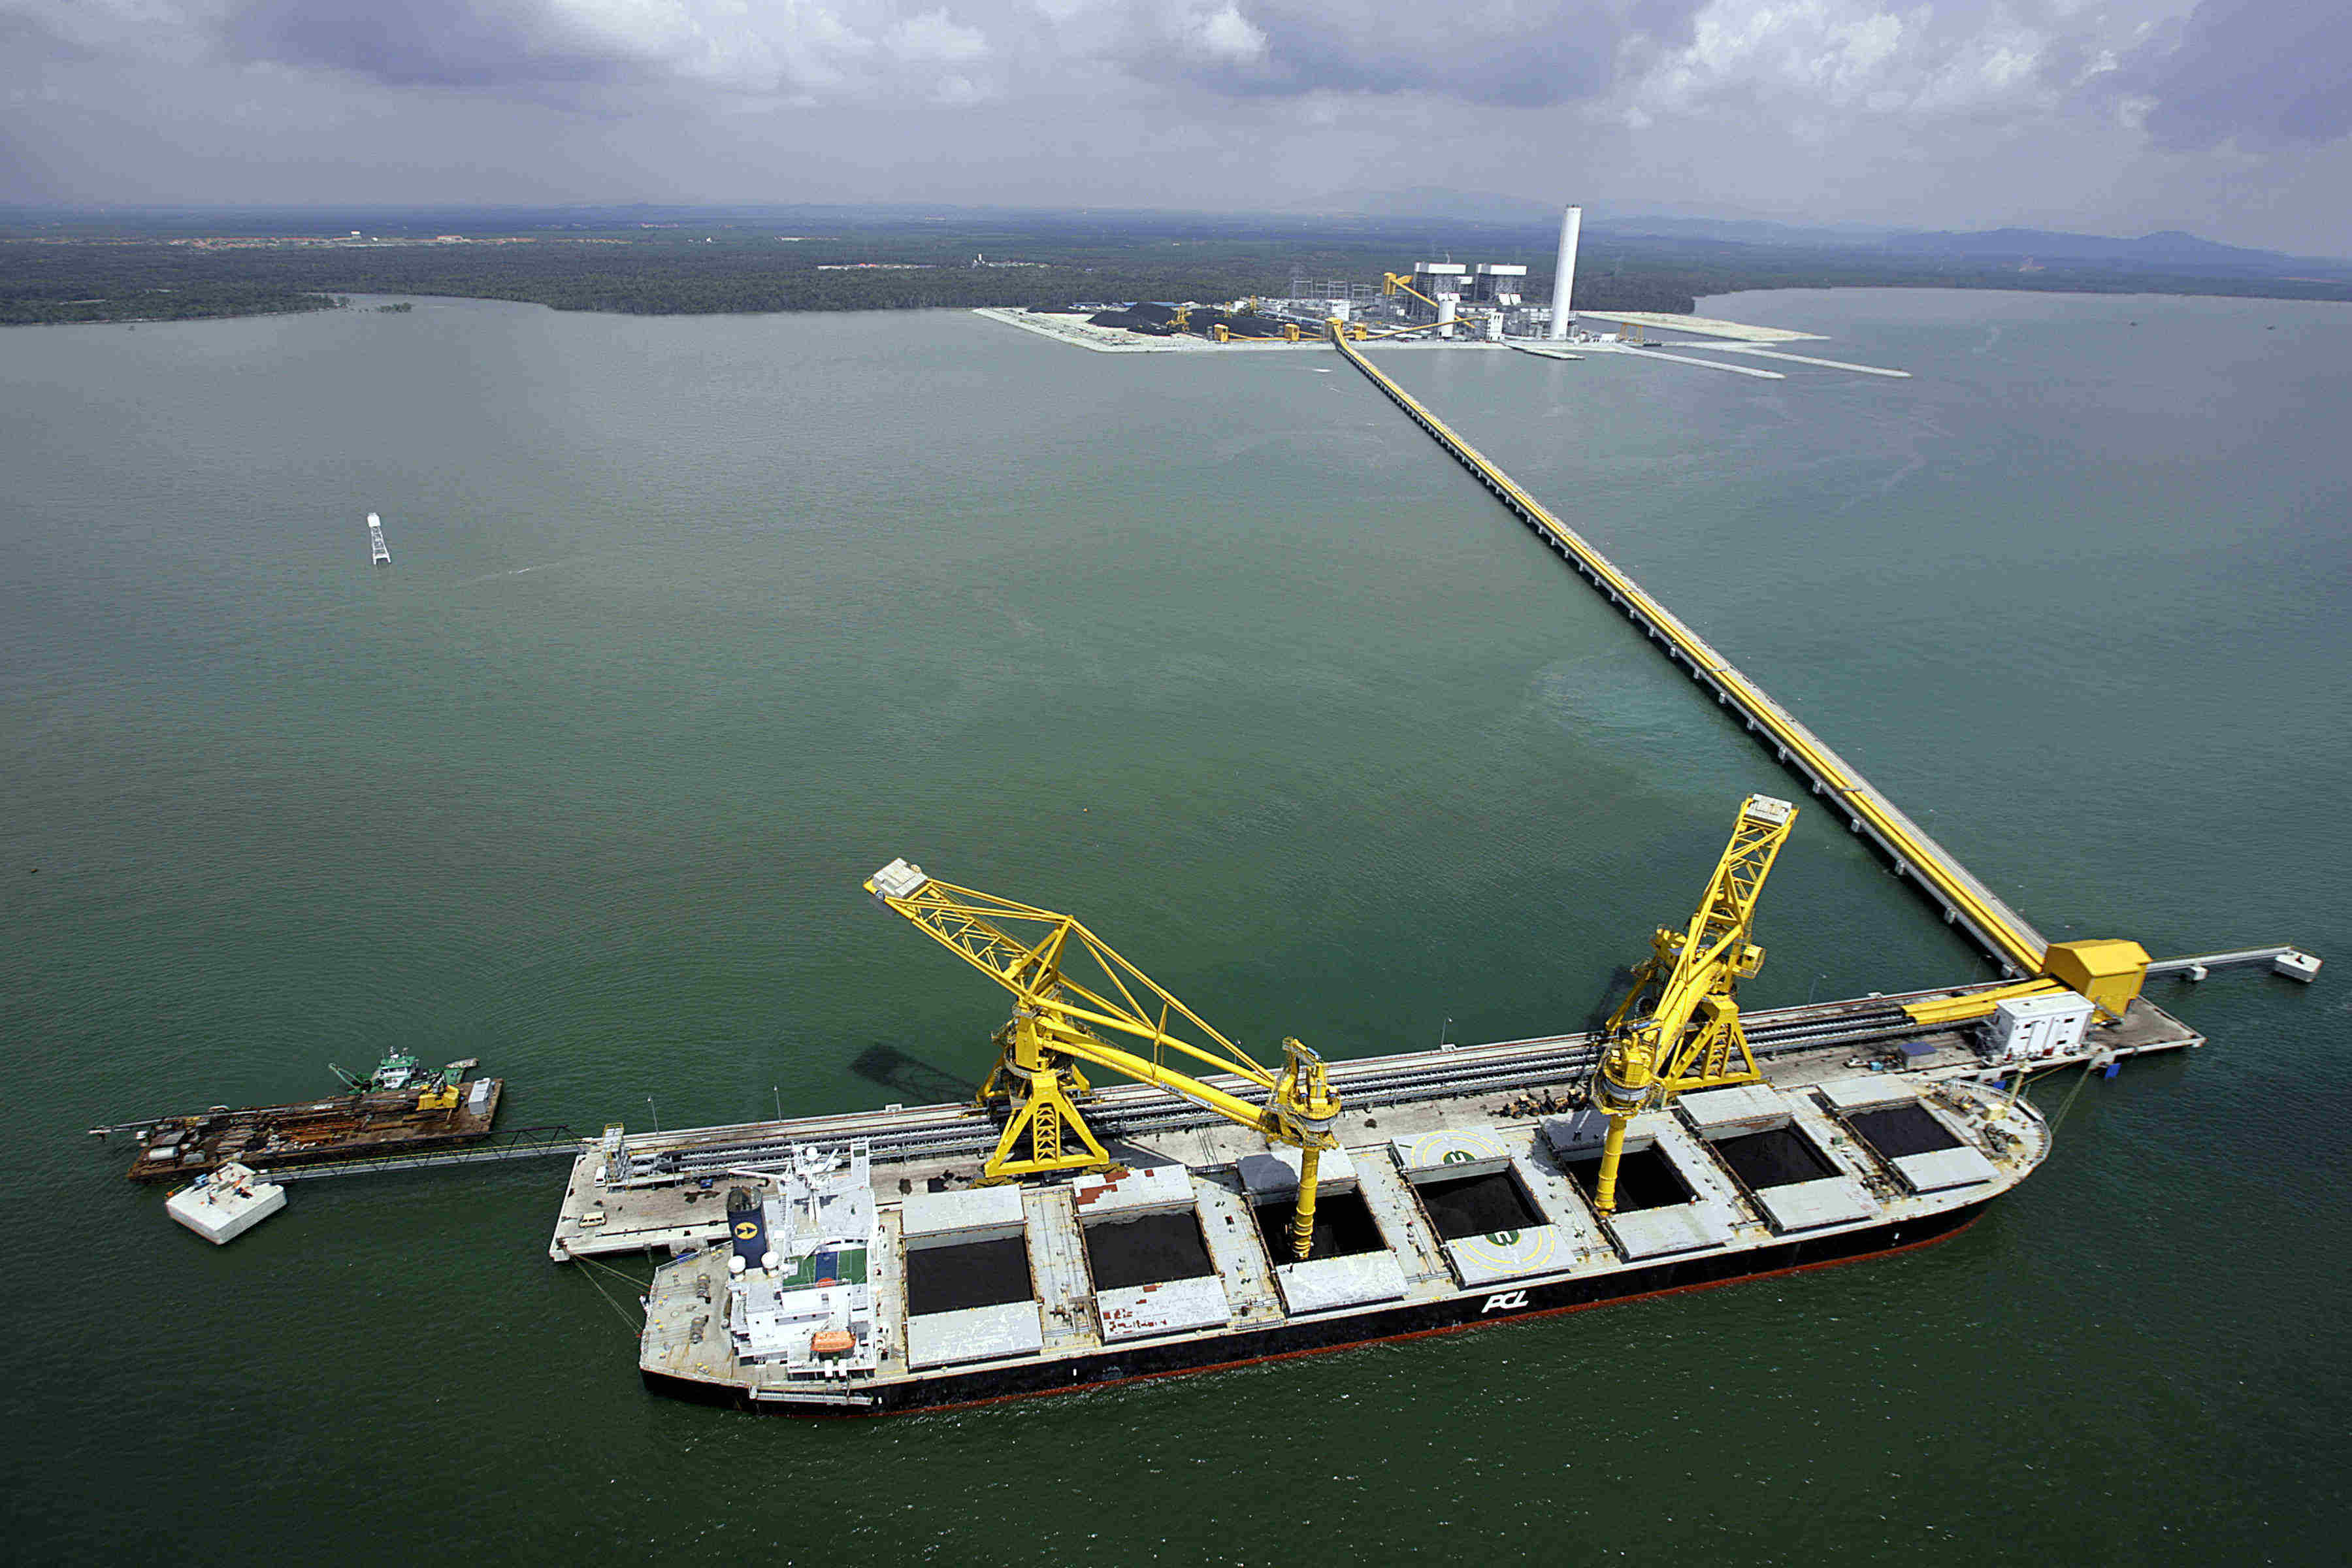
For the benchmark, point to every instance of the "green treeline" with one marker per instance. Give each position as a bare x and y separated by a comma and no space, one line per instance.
52,299
685,270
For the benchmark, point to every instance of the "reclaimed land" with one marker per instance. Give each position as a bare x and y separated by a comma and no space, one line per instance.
60,267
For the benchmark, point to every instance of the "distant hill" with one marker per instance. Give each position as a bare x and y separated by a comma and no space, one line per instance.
1745,231
2167,248
1436,202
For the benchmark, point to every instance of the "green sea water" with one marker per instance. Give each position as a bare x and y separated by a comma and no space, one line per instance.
692,623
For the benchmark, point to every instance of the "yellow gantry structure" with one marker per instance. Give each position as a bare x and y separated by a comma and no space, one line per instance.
1059,1021
1678,1028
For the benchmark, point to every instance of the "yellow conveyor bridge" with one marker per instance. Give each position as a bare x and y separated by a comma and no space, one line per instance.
2108,973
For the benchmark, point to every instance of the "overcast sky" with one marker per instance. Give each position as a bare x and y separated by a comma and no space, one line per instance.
2230,118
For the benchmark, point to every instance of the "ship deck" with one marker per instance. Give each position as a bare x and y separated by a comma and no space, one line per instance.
990,1328
1450,1204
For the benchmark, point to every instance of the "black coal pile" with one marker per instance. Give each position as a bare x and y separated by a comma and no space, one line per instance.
1152,319
1238,326
1158,321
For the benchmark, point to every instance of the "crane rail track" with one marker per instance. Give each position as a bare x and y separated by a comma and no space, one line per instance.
1367,1085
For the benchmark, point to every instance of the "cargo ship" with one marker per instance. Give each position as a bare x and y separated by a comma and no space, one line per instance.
400,1107
1053,1235
837,1290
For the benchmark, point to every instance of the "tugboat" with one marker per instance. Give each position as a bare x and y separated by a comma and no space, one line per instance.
396,1108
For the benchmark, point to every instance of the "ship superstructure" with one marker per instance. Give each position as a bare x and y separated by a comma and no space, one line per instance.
799,1295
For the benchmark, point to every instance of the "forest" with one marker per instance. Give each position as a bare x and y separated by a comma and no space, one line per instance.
61,269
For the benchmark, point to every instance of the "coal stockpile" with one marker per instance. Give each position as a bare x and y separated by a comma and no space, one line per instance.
1238,326
1157,321
1153,318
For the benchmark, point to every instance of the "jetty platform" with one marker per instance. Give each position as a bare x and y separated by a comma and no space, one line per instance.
658,1192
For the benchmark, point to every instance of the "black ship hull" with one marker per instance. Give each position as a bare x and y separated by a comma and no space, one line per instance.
1314,1336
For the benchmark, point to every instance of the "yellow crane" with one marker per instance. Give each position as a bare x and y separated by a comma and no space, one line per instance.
1289,334
1059,1022
1679,1027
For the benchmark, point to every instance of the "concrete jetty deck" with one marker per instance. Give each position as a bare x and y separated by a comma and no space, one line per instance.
2003,934
649,1192
1705,326
1798,359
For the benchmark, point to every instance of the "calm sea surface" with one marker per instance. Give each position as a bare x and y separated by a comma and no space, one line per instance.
694,622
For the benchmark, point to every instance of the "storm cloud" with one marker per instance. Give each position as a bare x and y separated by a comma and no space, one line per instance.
2250,71
1519,56
2233,116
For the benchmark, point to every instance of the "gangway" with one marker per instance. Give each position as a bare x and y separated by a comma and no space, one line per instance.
522,1144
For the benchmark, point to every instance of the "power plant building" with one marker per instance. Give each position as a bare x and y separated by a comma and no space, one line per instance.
1497,283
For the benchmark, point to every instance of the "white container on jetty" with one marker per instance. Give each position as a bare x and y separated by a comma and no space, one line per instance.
225,1204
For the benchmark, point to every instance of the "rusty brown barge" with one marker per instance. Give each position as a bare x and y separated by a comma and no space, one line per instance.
397,1109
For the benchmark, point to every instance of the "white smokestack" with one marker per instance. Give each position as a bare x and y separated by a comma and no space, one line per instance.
1563,278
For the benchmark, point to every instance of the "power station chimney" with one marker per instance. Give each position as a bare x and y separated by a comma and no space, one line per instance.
1563,278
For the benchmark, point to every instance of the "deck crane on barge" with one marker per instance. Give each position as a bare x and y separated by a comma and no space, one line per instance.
1679,1027
1038,1079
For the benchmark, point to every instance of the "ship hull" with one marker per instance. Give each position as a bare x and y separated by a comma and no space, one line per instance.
1455,1314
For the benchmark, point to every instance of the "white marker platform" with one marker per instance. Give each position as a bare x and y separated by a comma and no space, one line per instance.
224,1204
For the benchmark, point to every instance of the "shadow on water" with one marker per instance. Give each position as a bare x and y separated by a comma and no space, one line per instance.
1621,980
919,1081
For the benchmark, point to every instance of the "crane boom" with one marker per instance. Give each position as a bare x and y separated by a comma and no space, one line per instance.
1679,1027
1059,1020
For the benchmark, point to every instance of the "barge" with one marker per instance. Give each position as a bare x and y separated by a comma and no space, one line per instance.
398,1109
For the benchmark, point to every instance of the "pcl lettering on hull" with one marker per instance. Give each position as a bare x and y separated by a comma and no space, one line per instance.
1505,1301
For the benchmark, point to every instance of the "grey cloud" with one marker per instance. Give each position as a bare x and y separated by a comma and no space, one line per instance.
1506,56
1514,54
463,44
2265,73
